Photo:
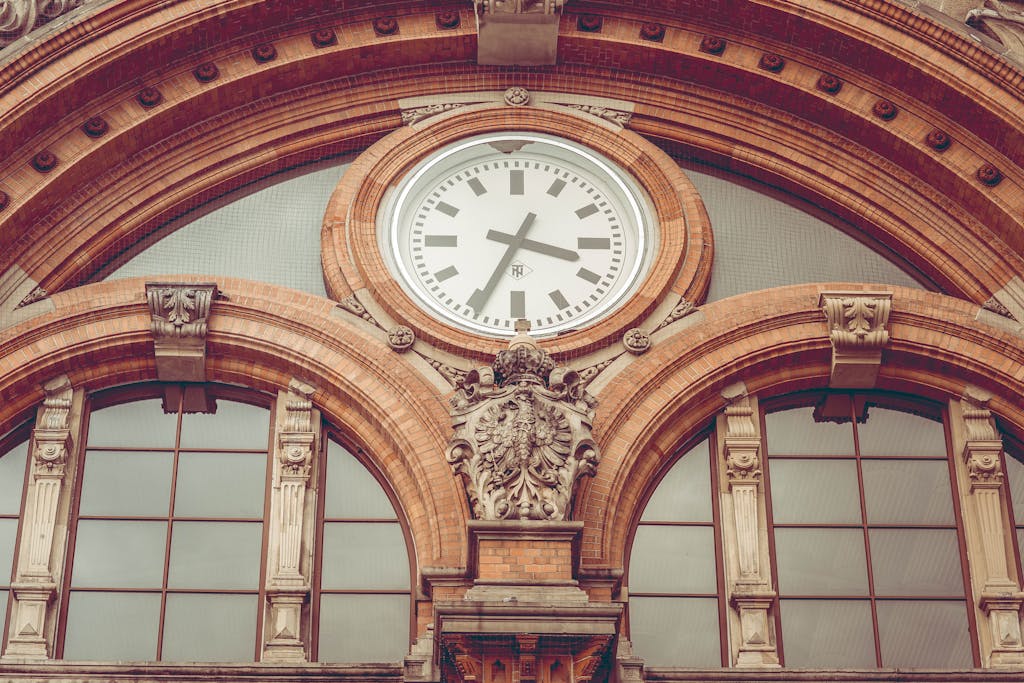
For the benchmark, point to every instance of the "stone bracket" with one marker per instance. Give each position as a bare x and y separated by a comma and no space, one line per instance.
857,326
179,313
523,32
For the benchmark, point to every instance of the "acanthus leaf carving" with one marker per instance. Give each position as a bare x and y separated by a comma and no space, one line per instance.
857,328
983,447
616,116
522,435
179,310
519,6
411,116
681,310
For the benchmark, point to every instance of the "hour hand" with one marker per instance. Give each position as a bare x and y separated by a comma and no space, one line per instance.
535,246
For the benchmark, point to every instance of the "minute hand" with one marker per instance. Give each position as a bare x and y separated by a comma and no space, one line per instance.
479,298
535,246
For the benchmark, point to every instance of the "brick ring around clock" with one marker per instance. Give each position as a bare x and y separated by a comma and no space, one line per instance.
476,218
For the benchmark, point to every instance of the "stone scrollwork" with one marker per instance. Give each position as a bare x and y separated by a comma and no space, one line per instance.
522,435
411,116
857,327
19,17
179,314
616,116
519,6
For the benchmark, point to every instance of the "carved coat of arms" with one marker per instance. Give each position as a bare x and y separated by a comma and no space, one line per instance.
522,435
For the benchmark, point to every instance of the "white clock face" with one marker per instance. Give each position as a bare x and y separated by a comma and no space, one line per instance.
518,225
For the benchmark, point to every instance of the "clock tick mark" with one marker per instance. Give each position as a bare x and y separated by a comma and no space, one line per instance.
477,187
441,240
593,243
559,299
447,209
445,273
515,182
584,211
588,275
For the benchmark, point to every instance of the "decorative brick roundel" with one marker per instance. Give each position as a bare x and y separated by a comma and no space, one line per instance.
44,161
324,37
885,110
385,26
990,175
938,140
653,32
448,19
149,97
830,84
207,72
772,62
95,127
713,45
3,200
264,53
589,23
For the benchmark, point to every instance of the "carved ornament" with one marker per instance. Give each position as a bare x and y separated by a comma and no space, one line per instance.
19,17
519,6
401,338
522,434
983,448
411,116
636,341
681,310
179,322
616,116
857,327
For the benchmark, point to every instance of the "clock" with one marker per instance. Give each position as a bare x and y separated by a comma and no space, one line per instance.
508,225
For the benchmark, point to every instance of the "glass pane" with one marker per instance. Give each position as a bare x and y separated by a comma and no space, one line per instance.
916,562
226,631
126,484
12,478
141,424
924,634
907,492
112,626
215,555
675,631
821,562
794,432
352,492
684,494
119,554
673,559
3,604
814,491
828,633
364,628
220,485
234,426
359,555
1015,472
891,432
8,537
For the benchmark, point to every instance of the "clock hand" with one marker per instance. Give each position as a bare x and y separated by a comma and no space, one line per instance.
479,297
533,245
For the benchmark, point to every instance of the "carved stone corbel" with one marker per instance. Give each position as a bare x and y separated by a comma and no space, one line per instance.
751,593
288,582
35,585
521,32
1001,598
179,312
522,435
857,327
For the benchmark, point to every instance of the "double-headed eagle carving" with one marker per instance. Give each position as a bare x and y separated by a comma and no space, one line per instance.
522,435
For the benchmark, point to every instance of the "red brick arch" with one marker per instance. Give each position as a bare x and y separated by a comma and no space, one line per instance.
261,336
775,341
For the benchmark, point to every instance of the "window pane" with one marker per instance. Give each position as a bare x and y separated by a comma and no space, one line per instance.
828,633
12,478
821,561
794,432
684,494
1015,472
924,634
220,485
352,492
235,426
916,562
210,628
215,555
126,484
907,492
365,556
140,424
119,554
3,604
8,537
891,432
814,491
675,631
112,626
364,628
673,559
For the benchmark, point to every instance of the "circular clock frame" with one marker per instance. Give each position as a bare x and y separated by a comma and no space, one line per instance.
351,248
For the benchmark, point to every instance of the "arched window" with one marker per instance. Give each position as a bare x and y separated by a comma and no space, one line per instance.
675,585
13,458
363,603
863,534
168,535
